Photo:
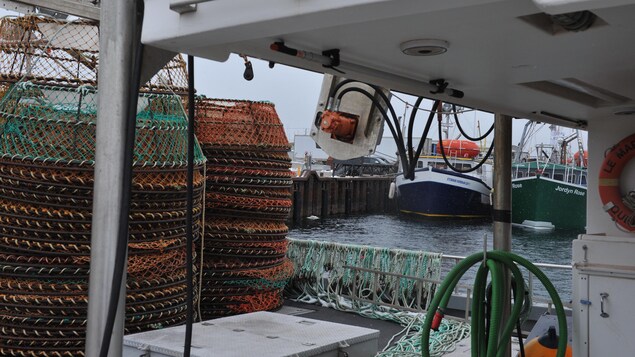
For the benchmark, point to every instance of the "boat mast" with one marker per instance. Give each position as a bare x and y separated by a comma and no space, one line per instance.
523,138
447,109
580,149
564,147
557,137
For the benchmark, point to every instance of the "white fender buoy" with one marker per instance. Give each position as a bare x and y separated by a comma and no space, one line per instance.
391,190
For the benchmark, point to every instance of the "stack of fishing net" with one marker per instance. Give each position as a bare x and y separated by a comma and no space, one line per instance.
47,152
247,200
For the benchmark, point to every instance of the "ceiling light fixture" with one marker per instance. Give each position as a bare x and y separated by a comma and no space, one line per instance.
625,111
424,47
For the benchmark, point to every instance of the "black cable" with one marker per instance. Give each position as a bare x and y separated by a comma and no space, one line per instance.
383,96
121,251
409,157
521,345
447,162
458,125
190,207
392,110
400,145
373,100
413,114
412,156
435,105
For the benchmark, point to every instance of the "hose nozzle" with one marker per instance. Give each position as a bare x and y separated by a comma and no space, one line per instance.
438,317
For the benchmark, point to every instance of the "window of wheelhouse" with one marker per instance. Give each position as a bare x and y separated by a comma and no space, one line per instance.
419,164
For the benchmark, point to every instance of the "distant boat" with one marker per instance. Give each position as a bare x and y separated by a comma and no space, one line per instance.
550,192
547,196
437,191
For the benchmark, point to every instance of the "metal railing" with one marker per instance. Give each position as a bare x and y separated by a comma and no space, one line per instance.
418,305
415,306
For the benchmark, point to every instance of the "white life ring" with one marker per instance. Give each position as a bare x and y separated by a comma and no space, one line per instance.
609,183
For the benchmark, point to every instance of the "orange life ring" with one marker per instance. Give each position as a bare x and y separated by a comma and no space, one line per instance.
609,184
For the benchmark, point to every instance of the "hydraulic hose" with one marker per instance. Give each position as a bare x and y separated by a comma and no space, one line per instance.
458,125
414,158
447,162
393,129
485,342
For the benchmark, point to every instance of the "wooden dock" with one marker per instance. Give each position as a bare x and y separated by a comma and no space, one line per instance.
331,196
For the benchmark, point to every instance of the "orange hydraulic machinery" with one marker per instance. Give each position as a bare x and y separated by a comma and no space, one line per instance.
340,125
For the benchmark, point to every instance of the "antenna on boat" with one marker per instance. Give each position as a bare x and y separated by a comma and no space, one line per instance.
523,139
581,153
447,111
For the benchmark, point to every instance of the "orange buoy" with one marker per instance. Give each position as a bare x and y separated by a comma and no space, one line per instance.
609,183
545,345
459,148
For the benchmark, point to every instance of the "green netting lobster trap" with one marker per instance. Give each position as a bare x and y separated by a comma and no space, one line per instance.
47,151
66,53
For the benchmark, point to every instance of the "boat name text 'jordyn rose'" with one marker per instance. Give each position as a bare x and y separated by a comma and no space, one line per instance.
569,191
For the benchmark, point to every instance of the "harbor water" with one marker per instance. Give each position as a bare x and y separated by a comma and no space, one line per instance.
457,238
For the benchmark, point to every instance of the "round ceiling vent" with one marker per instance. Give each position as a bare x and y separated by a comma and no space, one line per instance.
424,47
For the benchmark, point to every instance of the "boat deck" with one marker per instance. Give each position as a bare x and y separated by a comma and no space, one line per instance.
387,329
463,349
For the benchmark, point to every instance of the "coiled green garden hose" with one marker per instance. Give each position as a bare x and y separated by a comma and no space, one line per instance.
485,343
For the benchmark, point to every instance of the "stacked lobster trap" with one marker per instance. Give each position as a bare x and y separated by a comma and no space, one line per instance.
247,201
48,81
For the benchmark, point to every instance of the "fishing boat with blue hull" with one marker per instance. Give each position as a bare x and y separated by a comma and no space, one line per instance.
548,196
439,192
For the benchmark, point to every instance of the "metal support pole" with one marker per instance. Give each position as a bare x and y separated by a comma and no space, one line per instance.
503,182
117,45
502,212
190,207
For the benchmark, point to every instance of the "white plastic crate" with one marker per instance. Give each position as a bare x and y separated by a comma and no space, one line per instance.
263,334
